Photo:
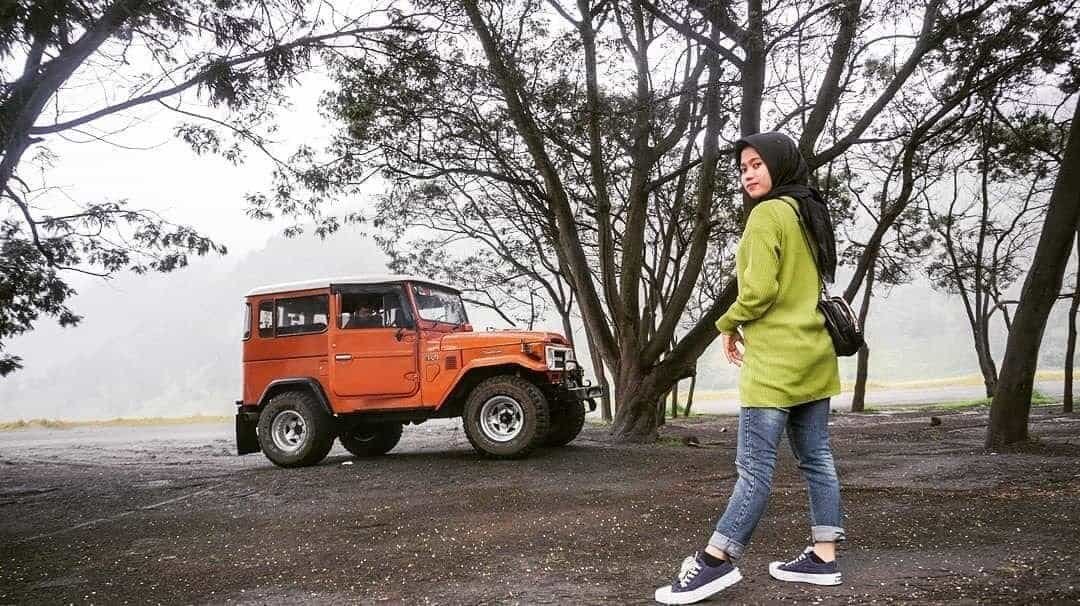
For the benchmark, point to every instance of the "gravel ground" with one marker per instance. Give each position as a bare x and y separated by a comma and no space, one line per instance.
148,515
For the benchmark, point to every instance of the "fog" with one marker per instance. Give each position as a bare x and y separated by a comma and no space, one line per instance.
169,345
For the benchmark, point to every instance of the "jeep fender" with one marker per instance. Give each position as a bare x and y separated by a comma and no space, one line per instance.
292,383
478,370
247,418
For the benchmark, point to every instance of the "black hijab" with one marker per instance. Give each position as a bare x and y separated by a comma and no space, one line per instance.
790,177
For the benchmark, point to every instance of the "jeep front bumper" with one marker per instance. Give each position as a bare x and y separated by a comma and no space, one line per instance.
586,392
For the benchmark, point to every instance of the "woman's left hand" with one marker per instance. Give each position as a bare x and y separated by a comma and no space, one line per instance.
731,349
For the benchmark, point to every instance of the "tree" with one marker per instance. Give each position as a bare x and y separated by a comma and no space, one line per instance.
1011,406
524,167
999,185
513,271
998,52
1070,348
237,54
590,119
894,261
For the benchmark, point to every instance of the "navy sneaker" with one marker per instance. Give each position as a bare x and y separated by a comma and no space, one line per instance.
806,569
697,581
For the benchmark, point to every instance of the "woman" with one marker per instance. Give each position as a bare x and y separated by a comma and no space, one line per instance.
788,370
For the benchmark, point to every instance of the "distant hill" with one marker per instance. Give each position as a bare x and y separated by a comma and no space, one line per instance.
169,345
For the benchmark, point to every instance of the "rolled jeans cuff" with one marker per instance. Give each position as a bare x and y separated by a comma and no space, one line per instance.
726,545
826,534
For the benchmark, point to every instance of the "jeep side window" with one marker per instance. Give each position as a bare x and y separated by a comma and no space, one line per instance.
301,315
266,319
247,321
362,310
395,313
439,305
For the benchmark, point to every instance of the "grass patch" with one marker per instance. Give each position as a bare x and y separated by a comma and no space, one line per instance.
1038,398
34,423
961,380
118,422
970,380
670,441
706,394
683,413
961,404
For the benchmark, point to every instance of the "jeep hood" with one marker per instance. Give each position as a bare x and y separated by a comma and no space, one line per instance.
496,338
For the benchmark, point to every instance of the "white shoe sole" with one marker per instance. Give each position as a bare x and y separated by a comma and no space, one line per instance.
664,595
801,577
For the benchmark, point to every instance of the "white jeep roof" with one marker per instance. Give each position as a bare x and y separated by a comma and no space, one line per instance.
326,282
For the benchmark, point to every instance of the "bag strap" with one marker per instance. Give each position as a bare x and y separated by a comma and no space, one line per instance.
810,247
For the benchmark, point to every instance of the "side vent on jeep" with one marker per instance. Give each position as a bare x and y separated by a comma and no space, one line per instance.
451,362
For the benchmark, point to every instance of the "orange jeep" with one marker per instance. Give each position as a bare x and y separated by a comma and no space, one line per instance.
358,358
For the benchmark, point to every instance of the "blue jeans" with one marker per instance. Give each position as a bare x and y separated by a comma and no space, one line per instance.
759,434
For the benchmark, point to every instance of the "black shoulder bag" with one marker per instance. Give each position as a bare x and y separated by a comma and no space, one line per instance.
840,320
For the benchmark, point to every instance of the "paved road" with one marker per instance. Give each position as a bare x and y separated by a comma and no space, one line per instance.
885,398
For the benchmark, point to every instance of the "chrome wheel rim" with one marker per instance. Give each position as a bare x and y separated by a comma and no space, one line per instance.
288,431
501,419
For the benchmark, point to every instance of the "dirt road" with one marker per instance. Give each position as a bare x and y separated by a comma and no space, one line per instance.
168,515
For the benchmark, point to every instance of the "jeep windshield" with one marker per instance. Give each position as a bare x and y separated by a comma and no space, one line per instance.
439,305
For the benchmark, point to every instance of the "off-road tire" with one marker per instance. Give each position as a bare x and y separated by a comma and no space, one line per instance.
567,419
534,420
316,438
371,440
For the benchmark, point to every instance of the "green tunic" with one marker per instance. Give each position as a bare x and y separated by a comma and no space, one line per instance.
789,357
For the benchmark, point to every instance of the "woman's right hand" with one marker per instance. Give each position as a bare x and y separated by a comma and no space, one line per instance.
731,349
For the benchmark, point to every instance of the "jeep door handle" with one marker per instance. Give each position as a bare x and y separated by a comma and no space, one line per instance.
342,357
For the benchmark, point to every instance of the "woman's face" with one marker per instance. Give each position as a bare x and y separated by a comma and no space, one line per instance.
755,175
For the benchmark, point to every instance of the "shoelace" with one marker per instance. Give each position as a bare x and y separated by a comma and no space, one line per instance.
689,569
802,556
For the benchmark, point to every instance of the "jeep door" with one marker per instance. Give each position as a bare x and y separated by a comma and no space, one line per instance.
373,344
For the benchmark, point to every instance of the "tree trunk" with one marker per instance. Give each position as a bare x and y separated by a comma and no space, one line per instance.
1070,348
753,71
638,394
690,395
635,420
1011,406
982,298
986,360
568,329
675,401
858,399
601,379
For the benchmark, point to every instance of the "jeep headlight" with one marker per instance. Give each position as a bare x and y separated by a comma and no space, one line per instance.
557,357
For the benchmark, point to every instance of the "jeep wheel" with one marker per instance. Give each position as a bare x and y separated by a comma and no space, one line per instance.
371,440
567,419
506,417
294,430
